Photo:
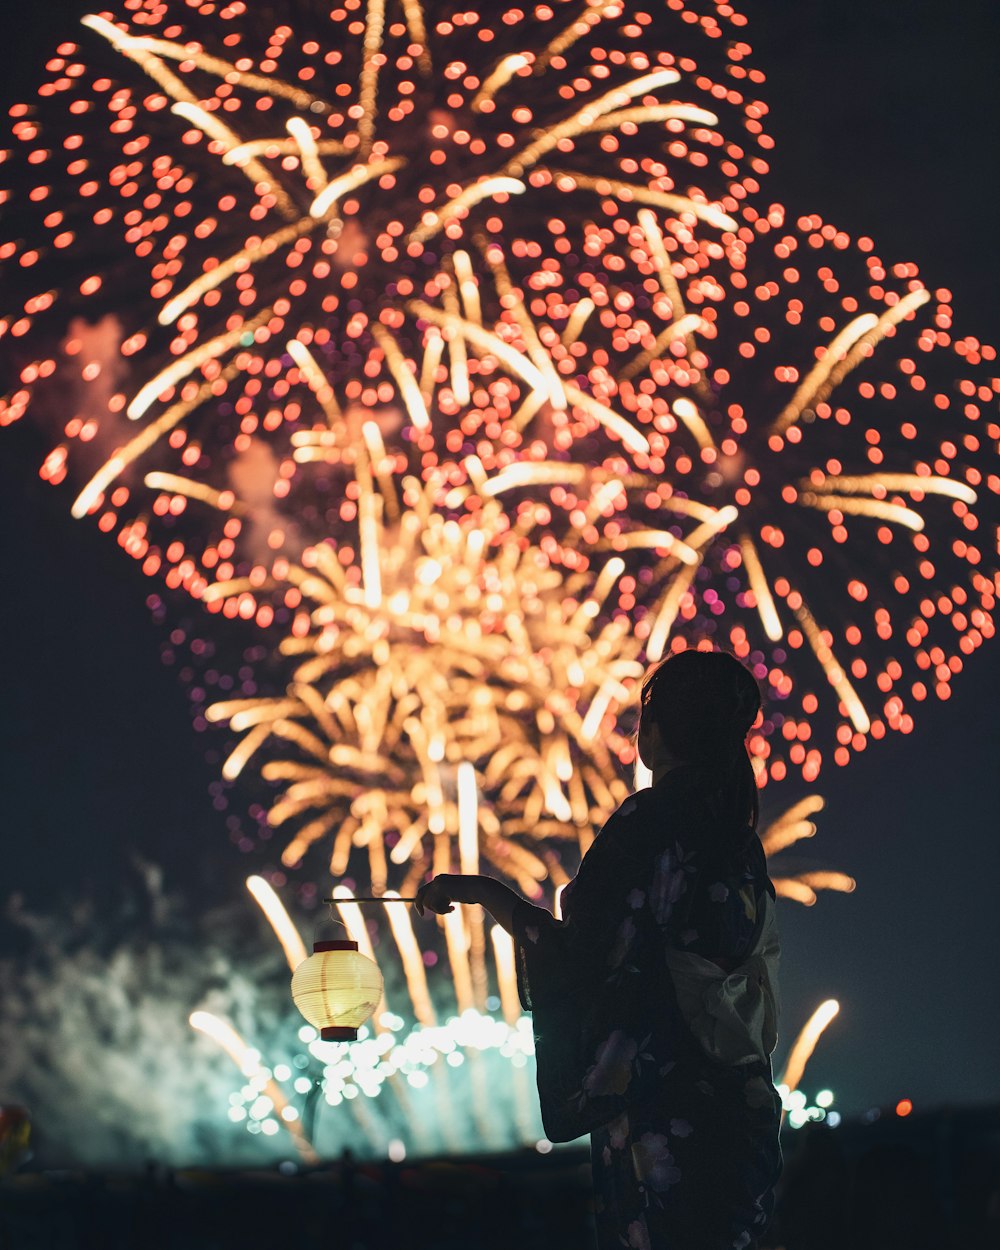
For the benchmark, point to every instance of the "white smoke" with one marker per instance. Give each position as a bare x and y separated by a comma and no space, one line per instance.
95,1040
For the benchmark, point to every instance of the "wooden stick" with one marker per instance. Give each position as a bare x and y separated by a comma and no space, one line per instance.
373,898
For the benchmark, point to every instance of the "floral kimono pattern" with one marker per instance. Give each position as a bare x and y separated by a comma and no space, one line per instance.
684,1147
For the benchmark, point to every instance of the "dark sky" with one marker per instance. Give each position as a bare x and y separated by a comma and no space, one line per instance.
885,115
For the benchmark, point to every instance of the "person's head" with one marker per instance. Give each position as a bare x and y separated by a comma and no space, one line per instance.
697,709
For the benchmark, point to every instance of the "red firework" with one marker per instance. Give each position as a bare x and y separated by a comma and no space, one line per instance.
581,183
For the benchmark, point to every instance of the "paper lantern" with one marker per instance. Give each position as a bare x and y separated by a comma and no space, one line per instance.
337,989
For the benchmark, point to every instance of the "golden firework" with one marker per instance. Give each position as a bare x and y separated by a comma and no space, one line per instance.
786,830
471,652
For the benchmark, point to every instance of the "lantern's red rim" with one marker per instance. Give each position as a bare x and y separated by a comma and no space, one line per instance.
338,1033
335,944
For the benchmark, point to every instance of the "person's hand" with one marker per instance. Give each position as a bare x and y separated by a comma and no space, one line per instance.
436,895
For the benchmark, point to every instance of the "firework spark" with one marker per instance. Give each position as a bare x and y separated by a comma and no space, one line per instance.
805,1043
292,946
248,1062
784,831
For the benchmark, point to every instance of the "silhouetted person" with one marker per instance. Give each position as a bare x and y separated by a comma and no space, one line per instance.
654,998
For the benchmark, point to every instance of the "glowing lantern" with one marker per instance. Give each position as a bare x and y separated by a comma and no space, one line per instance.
337,989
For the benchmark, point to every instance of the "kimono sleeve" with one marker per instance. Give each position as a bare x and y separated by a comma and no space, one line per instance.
557,958
586,980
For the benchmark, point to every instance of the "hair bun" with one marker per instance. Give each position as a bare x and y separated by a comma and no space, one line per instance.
703,702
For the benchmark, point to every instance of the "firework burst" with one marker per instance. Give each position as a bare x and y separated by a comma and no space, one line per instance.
851,433
457,674
649,296
468,655
330,204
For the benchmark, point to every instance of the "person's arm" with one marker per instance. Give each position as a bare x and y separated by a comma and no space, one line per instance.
442,891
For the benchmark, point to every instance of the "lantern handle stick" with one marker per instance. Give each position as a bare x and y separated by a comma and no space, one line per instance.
373,898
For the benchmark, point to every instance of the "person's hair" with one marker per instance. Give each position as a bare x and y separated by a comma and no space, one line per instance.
703,703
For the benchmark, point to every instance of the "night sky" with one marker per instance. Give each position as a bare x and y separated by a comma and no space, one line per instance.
885,116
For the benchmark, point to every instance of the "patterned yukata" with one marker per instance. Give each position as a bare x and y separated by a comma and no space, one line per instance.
684,1143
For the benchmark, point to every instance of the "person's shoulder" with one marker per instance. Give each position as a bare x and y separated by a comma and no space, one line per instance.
633,823
635,810
630,807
